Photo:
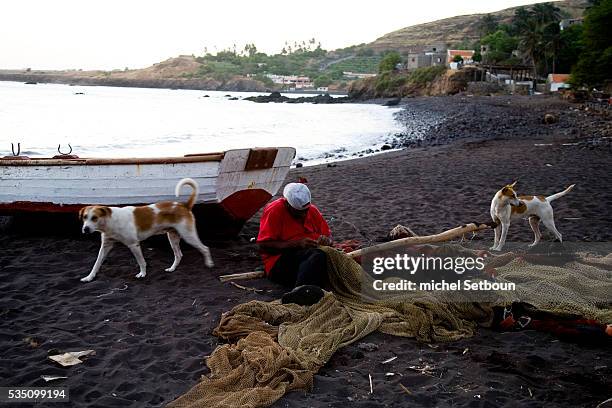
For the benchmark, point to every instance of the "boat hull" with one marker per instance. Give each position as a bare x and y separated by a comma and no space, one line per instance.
233,185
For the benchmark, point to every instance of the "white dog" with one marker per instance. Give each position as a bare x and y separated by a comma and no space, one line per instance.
506,206
130,225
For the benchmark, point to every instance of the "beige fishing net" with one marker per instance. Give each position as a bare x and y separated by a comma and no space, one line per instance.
281,347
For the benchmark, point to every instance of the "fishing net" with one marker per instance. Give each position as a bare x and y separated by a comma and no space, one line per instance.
280,347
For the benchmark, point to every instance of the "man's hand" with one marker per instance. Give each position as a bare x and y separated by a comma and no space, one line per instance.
306,243
276,247
324,241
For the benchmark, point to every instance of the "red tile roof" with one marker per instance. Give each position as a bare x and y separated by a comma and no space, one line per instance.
559,77
463,53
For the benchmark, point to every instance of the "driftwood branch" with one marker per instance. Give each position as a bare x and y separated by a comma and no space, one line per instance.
398,243
426,239
242,276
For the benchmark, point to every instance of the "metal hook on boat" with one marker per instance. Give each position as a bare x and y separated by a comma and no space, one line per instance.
60,152
18,149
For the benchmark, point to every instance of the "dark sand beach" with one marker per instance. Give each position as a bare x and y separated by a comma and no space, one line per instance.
151,336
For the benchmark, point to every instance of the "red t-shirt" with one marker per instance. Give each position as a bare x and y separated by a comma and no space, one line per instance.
277,224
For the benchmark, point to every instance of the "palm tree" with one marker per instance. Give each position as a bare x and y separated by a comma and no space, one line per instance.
531,44
546,13
538,30
551,39
487,24
520,21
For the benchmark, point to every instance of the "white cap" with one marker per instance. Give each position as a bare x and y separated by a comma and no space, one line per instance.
297,195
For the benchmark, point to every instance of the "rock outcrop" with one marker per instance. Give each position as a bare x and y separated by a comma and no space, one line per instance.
397,85
278,98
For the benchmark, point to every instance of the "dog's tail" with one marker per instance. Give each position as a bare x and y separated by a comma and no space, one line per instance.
194,194
560,194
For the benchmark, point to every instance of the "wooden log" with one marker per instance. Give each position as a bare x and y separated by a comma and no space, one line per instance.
427,239
398,243
242,276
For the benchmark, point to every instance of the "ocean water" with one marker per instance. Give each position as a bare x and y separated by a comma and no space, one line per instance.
139,122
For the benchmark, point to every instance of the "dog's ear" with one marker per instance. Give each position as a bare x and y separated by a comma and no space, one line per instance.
513,184
104,211
82,213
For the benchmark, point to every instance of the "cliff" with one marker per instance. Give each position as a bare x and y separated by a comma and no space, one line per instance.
431,81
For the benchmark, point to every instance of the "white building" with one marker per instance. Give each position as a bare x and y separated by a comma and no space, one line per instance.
357,75
565,23
467,55
557,81
294,81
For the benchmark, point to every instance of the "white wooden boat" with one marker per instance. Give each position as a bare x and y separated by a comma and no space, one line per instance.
234,184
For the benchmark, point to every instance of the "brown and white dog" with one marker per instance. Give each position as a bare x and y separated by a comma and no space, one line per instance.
130,225
506,206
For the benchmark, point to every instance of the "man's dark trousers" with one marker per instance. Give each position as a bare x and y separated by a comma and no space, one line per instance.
297,267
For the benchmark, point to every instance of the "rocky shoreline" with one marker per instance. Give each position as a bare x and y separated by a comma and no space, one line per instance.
437,121
443,120
277,97
440,120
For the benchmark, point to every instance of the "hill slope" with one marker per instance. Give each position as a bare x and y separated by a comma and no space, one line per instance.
173,73
455,30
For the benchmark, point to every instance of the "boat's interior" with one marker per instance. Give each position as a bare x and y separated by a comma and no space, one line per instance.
68,159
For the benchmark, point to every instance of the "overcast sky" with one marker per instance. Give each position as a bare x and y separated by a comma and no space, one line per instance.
108,34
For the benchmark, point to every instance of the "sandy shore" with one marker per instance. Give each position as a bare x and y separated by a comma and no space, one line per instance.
151,336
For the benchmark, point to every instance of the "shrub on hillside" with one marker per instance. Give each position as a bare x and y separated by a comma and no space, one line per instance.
389,83
322,80
389,62
421,76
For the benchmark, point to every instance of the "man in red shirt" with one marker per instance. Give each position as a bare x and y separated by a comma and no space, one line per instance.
290,232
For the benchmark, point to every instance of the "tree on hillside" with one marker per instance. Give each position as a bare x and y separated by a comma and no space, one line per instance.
594,65
389,62
539,37
547,17
570,47
364,52
531,44
520,21
499,46
250,50
487,24
322,80
545,13
551,37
